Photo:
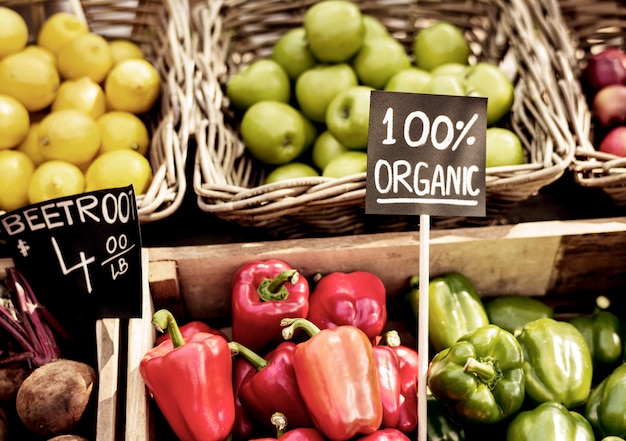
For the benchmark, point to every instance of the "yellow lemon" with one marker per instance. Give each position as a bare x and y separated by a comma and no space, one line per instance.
86,55
133,86
16,170
59,29
41,52
30,145
119,168
69,135
123,49
55,179
82,94
13,32
123,130
14,122
29,79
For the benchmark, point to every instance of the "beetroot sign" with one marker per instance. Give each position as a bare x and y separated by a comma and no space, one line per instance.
426,155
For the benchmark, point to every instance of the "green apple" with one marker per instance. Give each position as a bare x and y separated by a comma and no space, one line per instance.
291,170
325,148
346,164
334,29
273,132
347,116
263,80
503,147
412,80
488,80
378,60
447,85
450,69
292,52
440,43
316,87
374,28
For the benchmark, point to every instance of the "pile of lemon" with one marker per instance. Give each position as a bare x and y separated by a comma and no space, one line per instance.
71,107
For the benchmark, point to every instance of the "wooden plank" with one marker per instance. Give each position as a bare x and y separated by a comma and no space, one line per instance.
165,287
141,337
535,258
108,355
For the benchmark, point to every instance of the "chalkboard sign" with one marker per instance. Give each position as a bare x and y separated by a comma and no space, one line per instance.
426,154
80,254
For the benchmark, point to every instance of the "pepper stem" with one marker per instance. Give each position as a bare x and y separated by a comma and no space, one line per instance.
255,359
484,370
293,324
280,422
391,338
163,320
274,289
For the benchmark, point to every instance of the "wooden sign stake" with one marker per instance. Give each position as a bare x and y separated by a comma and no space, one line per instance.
422,325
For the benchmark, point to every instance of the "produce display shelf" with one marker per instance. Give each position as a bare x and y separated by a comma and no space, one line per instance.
566,261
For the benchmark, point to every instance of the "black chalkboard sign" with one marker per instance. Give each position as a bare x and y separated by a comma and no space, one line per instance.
426,155
80,254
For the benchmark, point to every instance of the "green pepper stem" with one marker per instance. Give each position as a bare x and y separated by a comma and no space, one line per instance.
483,370
163,320
292,324
274,289
255,359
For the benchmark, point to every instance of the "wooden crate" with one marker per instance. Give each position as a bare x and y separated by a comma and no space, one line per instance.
562,260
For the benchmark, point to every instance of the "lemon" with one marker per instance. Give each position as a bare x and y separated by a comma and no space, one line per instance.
13,32
123,49
42,53
30,145
82,94
133,86
123,130
55,179
29,79
69,135
119,168
16,170
14,122
59,29
86,55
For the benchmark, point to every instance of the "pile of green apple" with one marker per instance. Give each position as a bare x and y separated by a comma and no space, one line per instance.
305,110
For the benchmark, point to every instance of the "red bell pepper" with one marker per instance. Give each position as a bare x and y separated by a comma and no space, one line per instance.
357,299
245,427
272,387
409,364
263,292
337,378
191,328
388,434
191,382
388,370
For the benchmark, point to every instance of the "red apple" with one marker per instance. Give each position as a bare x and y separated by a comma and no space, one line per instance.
614,142
602,69
609,105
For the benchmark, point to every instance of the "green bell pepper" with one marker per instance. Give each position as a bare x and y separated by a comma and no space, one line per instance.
479,378
612,438
549,421
454,308
603,333
557,362
606,406
511,313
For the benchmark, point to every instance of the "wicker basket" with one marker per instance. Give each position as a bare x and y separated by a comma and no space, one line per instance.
593,27
161,28
229,183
